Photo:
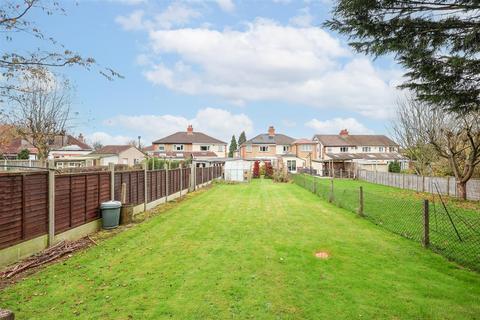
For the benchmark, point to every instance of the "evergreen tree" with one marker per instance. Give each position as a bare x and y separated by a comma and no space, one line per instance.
242,138
233,147
23,155
436,41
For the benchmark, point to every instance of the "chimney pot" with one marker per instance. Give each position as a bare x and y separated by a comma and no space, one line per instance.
271,131
190,129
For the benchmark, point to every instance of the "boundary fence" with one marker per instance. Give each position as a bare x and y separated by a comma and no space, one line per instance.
442,185
441,226
33,204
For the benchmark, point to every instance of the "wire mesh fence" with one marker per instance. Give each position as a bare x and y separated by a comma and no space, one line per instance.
446,226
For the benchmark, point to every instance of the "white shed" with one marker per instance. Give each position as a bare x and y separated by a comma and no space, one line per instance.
237,170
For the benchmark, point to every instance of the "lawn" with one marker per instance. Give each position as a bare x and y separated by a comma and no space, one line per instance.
454,224
247,251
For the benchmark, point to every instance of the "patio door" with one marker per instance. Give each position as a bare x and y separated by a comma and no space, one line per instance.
292,165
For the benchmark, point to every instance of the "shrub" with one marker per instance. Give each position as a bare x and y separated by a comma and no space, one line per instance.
281,176
262,170
256,169
394,167
268,170
23,155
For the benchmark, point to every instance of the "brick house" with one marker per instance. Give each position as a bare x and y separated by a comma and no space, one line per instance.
189,144
346,152
117,154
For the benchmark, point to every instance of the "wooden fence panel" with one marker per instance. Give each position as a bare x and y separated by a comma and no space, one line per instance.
23,207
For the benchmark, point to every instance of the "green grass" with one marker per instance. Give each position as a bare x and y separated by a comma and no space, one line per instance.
247,252
454,231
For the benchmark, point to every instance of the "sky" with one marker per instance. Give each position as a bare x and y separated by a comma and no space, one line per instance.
223,66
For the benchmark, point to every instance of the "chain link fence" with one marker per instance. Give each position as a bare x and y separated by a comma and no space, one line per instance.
448,227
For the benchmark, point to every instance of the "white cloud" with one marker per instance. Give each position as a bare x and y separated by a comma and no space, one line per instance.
106,138
271,62
333,126
176,14
216,122
134,21
226,5
303,19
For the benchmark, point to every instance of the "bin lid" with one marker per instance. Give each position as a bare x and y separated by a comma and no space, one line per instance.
110,205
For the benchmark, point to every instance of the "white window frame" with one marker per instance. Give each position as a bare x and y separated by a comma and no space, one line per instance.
306,147
366,149
380,149
286,148
204,145
220,148
291,163
263,147
178,147
329,149
161,147
343,149
249,148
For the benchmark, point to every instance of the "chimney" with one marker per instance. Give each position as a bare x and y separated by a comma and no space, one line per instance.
81,138
344,132
271,131
190,129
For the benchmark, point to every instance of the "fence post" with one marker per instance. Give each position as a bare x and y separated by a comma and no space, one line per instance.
145,185
360,200
314,185
423,183
51,203
123,193
111,168
426,224
167,184
332,197
192,176
181,179
448,185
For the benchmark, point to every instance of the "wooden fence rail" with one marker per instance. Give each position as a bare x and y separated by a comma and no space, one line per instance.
24,197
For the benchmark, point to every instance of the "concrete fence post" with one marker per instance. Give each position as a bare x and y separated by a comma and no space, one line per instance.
426,224
448,185
145,186
360,200
123,193
51,203
111,168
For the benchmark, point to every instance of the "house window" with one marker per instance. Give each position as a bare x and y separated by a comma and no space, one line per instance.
161,147
380,149
204,148
306,147
343,149
329,149
291,165
263,148
286,149
178,147
249,148
392,149
220,148
366,149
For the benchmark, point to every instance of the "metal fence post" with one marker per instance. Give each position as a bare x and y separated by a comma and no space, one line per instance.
111,168
360,200
332,196
51,203
426,224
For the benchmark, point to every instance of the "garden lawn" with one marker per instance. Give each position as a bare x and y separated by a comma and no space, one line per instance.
247,251
454,228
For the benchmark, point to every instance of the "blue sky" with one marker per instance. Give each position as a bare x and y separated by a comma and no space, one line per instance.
224,66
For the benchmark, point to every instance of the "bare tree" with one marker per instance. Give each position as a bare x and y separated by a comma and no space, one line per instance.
41,112
410,117
456,137
97,145
15,65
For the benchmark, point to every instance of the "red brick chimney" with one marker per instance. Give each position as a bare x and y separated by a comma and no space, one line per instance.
344,132
81,138
271,131
190,129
